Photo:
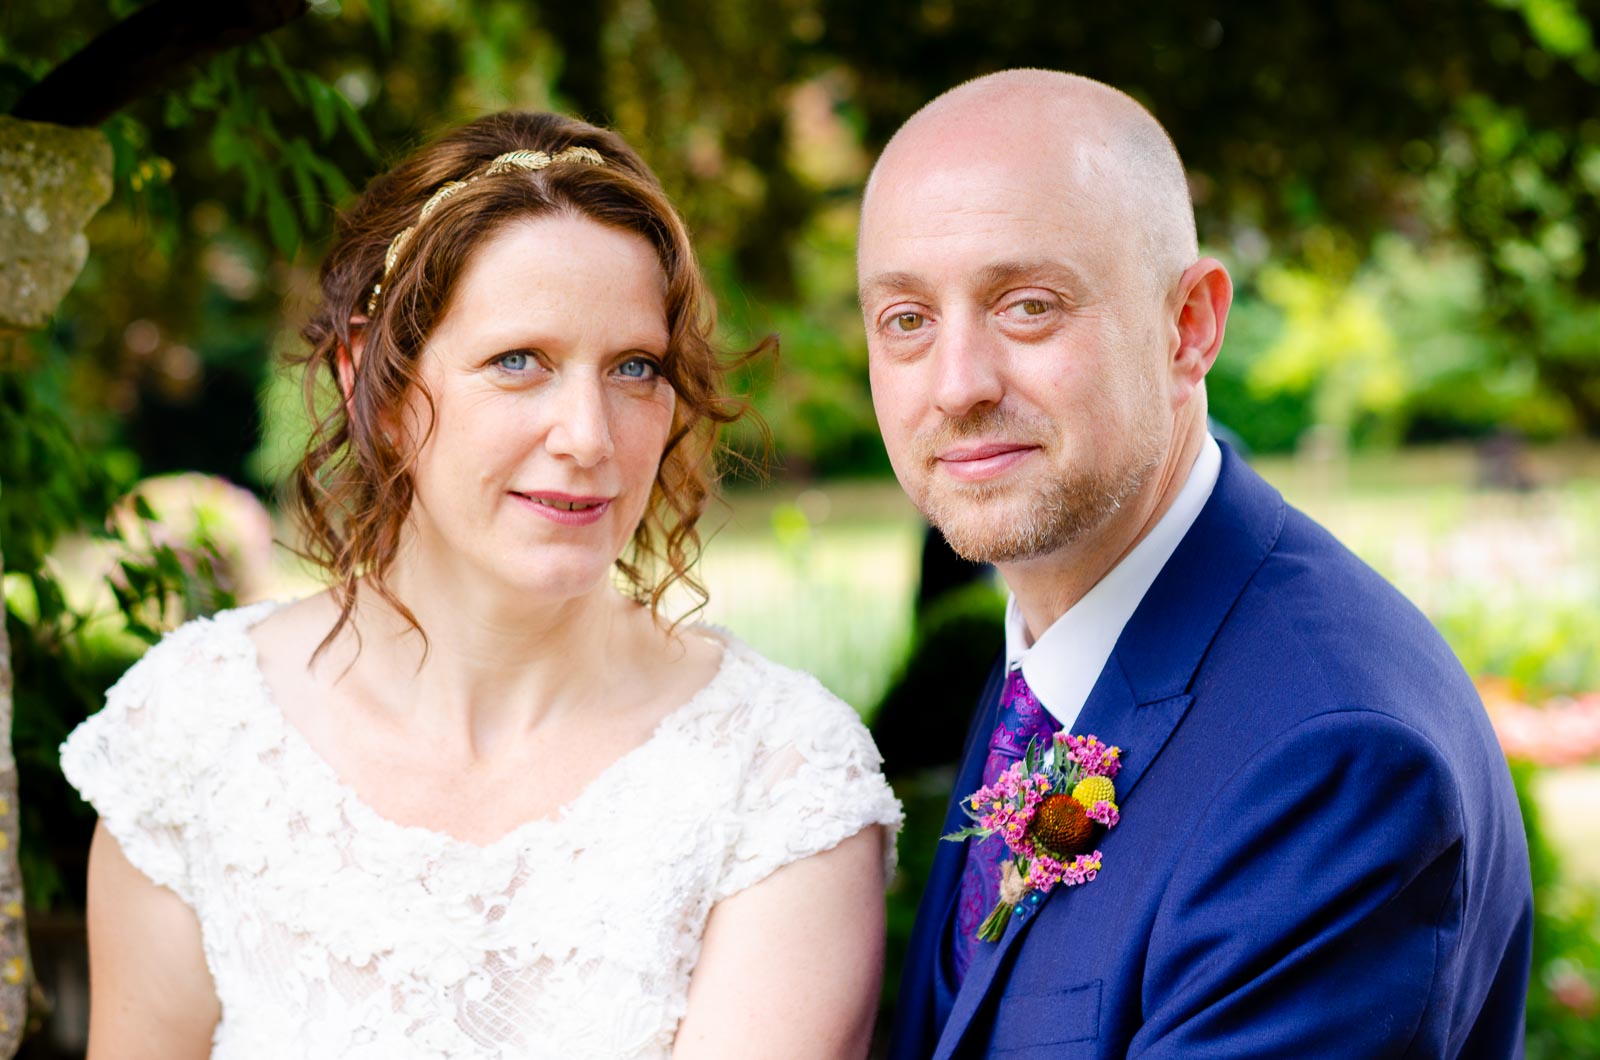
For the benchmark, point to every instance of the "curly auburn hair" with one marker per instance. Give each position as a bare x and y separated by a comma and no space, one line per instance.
352,489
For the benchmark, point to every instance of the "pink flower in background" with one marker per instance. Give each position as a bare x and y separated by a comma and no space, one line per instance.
1563,731
1572,989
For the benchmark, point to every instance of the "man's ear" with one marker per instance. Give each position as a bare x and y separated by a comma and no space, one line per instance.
1205,293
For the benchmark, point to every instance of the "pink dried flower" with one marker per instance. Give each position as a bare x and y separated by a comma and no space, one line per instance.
1047,871
1007,806
1095,758
1084,868
1105,813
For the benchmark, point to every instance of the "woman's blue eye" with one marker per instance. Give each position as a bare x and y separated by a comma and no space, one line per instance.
515,361
638,368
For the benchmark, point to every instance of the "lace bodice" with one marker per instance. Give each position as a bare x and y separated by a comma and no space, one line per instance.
333,932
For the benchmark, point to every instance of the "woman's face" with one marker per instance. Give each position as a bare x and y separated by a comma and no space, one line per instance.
550,414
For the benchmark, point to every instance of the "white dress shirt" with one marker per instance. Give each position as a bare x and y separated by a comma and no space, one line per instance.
1062,666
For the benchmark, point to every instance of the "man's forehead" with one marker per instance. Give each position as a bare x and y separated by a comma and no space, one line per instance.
969,223
1015,185
1018,165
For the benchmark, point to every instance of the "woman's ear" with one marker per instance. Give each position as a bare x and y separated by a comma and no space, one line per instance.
346,359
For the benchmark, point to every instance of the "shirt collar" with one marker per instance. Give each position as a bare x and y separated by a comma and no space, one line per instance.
1062,666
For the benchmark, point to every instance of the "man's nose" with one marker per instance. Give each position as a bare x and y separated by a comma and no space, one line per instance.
967,368
580,428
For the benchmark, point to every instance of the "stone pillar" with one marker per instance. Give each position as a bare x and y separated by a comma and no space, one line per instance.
52,180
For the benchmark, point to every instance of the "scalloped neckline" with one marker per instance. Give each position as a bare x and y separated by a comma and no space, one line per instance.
239,621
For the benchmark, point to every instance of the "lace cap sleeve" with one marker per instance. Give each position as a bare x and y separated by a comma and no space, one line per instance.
812,780
139,760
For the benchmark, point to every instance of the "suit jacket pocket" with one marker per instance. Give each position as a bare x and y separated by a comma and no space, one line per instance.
1056,1017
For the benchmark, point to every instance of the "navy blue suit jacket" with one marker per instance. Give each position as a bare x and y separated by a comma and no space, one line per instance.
1320,852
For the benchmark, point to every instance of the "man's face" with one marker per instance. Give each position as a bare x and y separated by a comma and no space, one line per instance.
1017,348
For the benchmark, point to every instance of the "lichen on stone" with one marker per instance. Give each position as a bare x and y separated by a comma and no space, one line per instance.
52,180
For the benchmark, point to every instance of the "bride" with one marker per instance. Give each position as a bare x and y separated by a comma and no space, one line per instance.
474,800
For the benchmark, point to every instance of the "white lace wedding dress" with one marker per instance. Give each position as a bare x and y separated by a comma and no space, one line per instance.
333,933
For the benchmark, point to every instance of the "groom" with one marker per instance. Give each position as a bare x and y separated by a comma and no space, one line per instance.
1319,851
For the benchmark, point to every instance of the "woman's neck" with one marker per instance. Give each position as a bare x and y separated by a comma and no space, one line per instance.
495,664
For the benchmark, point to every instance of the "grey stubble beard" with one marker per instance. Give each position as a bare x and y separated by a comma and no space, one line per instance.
981,527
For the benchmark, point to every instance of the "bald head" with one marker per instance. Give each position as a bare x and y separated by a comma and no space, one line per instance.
1039,323
1097,145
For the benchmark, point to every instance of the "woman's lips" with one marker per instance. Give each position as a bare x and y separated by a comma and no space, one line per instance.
565,509
977,463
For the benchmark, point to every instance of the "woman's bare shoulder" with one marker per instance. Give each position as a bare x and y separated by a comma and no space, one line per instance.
295,628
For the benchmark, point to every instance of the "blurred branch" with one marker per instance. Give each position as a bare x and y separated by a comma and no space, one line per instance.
14,971
145,53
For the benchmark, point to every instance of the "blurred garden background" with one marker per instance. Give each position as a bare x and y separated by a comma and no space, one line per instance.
1407,195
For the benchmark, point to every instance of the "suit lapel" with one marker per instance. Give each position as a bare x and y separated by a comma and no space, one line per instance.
976,750
1142,693
945,877
1141,729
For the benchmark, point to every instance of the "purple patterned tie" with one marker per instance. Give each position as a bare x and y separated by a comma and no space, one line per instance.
1022,719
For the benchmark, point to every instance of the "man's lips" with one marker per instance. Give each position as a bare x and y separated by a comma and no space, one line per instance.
986,460
564,509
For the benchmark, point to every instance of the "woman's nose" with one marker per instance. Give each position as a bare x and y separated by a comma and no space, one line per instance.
580,427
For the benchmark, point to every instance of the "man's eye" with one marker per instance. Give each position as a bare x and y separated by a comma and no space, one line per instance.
907,322
1030,307
638,368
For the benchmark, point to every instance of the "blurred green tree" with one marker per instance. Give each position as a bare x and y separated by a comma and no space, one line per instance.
54,484
1309,134
1311,130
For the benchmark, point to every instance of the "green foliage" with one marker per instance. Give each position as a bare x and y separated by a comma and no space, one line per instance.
61,471
921,718
918,727
1546,645
1336,344
1267,422
280,171
1566,944
1394,351
46,488
1461,126
925,796
66,645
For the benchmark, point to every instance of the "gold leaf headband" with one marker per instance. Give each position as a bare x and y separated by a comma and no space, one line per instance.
511,160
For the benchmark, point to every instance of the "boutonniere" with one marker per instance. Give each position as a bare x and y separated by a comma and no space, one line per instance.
1051,815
